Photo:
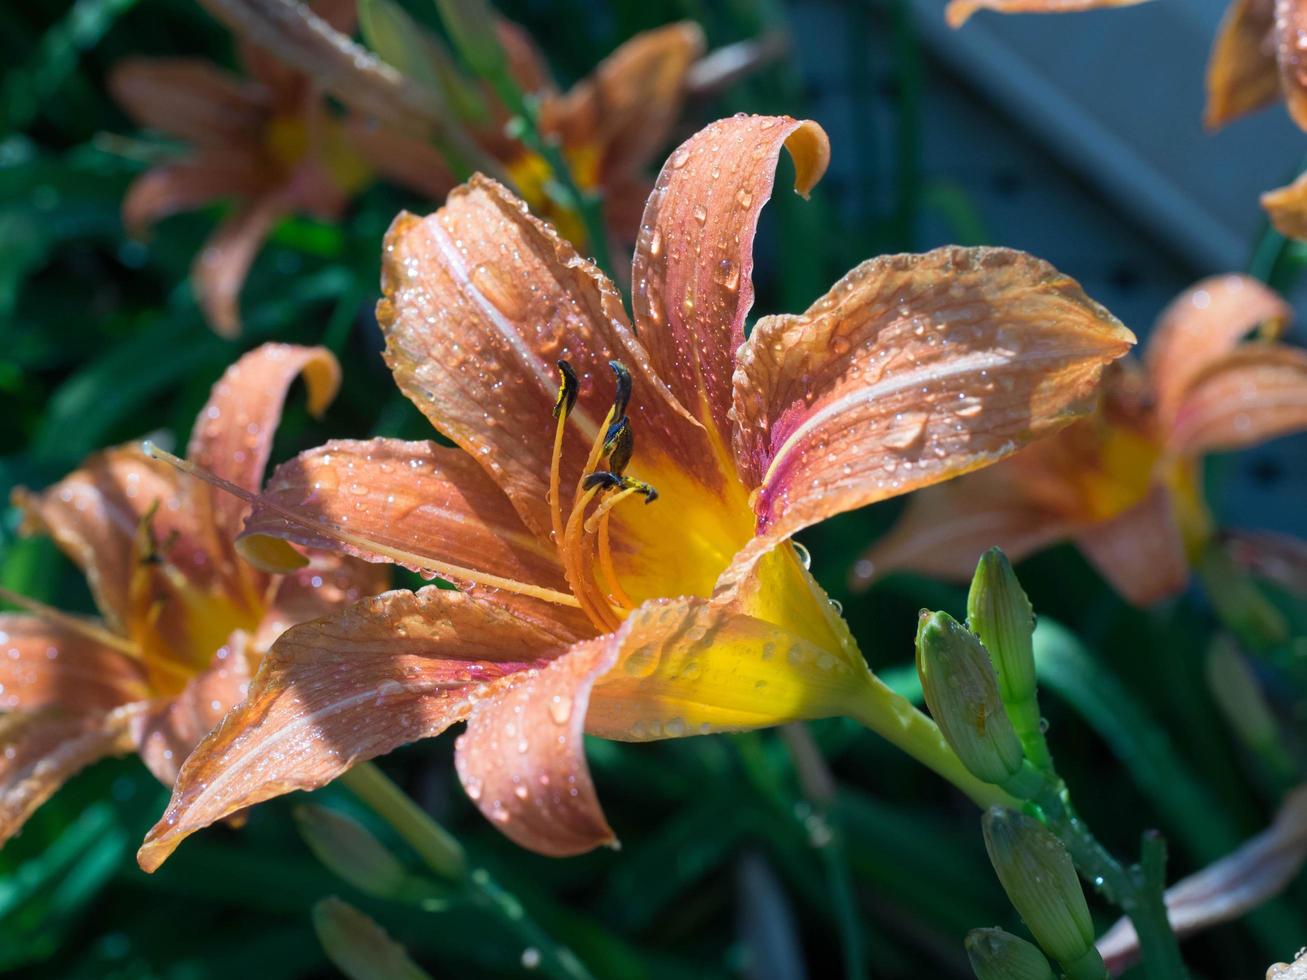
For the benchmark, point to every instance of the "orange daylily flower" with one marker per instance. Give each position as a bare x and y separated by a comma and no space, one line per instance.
183,620
611,125
1256,59
583,610
959,11
269,142
1125,483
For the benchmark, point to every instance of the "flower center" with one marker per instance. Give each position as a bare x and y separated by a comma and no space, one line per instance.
584,545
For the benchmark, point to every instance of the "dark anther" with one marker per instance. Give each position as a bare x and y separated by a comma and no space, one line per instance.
602,479
618,444
623,395
567,390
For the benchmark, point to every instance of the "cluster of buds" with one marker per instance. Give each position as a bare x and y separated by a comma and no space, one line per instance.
979,682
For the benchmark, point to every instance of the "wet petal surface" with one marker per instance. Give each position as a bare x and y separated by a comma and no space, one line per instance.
913,369
1256,393
44,665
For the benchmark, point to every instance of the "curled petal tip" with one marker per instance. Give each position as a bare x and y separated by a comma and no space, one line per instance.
809,147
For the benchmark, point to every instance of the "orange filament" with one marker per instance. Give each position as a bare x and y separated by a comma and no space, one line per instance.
454,573
74,624
606,565
574,541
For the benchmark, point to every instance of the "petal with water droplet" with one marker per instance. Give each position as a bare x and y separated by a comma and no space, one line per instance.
913,369
41,750
689,308
414,497
234,431
1201,326
481,301
348,687
44,664
1255,393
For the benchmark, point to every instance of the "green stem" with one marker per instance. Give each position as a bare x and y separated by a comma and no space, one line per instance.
435,845
443,854
1029,726
892,716
1137,890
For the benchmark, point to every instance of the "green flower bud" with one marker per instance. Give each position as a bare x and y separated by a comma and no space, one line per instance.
358,946
1040,880
999,955
1001,614
962,692
350,850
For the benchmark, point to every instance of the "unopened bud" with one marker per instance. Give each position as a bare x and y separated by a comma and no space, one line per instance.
357,946
1040,880
962,692
350,850
1001,614
999,955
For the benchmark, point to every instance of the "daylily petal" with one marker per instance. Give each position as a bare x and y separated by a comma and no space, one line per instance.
693,268
480,301
44,665
286,86
414,498
166,733
398,157
93,515
221,267
958,11
1256,393
348,687
522,758
1242,74
1141,551
190,98
675,667
1201,326
235,428
40,751
1287,208
912,370
693,666
1241,881
188,184
329,583
1290,28
945,529
625,110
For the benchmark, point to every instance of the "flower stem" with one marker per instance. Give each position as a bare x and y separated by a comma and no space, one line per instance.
1137,890
443,854
435,845
893,717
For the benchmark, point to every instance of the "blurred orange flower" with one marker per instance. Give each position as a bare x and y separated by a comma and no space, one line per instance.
958,11
1124,484
184,621
581,610
269,142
